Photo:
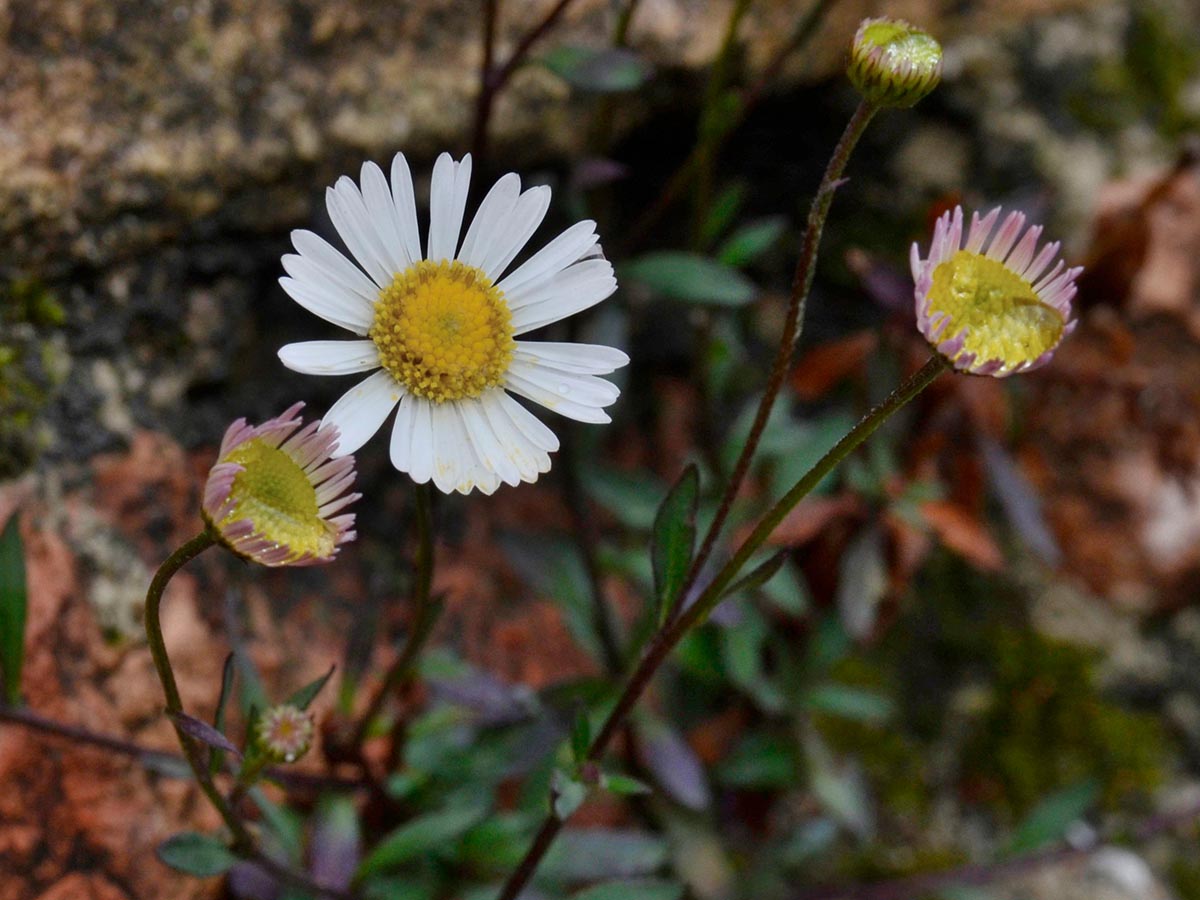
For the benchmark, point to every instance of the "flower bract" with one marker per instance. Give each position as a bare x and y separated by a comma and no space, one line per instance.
439,324
992,304
276,493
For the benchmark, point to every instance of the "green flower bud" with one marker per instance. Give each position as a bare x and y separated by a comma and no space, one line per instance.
893,63
285,733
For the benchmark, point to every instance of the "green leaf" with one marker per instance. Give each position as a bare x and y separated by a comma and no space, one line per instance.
13,606
627,495
722,212
640,889
849,703
419,837
624,785
758,576
691,277
1048,820
589,854
751,241
196,854
606,70
674,538
760,761
303,697
581,736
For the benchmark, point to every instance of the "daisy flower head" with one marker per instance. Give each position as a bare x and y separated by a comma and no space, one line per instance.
438,326
992,305
276,493
285,732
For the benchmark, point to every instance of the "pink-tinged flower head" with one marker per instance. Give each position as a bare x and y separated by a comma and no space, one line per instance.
285,732
992,305
275,493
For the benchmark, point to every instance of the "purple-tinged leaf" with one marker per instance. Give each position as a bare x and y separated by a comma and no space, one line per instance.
336,846
204,733
1020,501
673,764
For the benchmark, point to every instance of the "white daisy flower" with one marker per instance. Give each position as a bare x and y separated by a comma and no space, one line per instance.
439,327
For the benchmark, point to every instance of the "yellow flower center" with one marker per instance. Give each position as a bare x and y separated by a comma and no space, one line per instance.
1005,319
444,331
273,492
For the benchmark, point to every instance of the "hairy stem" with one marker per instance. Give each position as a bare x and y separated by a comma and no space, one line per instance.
793,323
242,841
669,637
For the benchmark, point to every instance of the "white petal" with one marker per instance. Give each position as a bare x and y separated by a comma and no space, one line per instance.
421,449
447,202
340,308
353,224
529,424
586,359
586,390
333,265
554,257
402,432
574,289
524,220
382,212
487,445
450,459
362,409
521,451
530,390
405,201
330,357
491,220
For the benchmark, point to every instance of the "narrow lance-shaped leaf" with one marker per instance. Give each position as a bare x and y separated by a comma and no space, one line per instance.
196,854
691,277
1048,821
758,576
204,733
13,605
581,737
216,760
303,697
752,241
674,539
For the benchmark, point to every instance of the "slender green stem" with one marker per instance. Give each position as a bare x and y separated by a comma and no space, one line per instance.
242,841
802,281
669,637
425,616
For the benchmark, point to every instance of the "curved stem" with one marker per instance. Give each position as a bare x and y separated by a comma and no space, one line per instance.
425,615
667,639
801,285
242,841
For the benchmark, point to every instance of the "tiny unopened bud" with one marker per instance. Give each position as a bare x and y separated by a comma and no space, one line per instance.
893,63
285,732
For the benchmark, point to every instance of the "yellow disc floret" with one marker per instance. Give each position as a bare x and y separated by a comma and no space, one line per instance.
444,331
1004,317
273,492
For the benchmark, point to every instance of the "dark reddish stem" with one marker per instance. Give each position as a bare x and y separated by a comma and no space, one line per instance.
794,321
493,78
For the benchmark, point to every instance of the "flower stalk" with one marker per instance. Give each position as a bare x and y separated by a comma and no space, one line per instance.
669,637
242,841
802,281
